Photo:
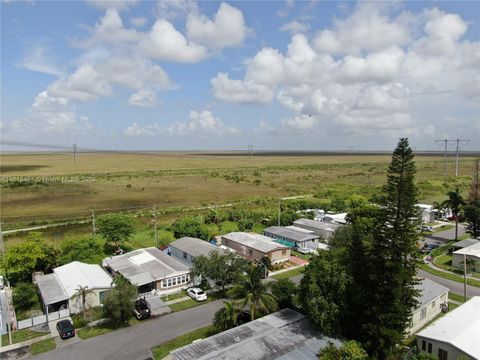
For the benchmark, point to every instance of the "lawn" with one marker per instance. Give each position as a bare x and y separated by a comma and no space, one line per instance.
92,314
174,296
187,304
288,274
159,352
300,255
88,332
449,276
22,335
456,297
443,262
42,346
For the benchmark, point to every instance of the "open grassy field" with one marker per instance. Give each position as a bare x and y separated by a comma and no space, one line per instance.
51,186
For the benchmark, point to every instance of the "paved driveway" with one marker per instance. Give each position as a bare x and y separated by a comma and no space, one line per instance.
135,342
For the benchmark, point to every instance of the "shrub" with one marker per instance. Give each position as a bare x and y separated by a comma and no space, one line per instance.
24,296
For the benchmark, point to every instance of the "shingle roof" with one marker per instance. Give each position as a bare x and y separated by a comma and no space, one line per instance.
460,328
284,335
194,246
255,241
429,291
289,233
144,266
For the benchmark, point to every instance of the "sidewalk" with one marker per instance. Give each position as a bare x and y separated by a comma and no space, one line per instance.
433,266
21,344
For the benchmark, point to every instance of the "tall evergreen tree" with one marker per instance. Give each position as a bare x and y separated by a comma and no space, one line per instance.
393,257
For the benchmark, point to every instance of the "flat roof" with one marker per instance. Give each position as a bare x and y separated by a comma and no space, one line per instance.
459,327
285,335
50,289
306,231
290,233
472,250
316,224
465,243
144,266
195,247
429,291
258,242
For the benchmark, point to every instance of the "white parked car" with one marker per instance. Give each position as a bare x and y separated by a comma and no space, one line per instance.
197,294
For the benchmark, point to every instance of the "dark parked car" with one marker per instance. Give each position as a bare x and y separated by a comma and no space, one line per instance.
65,329
429,247
141,309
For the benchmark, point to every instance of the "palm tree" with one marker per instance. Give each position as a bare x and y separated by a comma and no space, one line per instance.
455,202
82,293
252,293
226,318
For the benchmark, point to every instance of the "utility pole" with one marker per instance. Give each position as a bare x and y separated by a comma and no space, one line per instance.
93,223
445,142
250,149
155,225
74,153
458,146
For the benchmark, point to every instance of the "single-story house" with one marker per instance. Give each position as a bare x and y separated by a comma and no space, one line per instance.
283,335
255,246
151,270
186,249
464,243
426,213
324,229
455,334
471,252
432,296
58,289
298,238
340,218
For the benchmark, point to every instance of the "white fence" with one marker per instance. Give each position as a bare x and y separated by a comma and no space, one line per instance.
42,319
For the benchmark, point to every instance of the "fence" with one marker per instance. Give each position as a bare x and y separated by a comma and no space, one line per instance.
42,319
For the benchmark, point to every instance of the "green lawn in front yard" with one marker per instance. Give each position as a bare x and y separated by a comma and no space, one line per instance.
449,276
92,314
22,335
186,304
159,352
452,306
91,331
300,255
174,296
42,346
443,228
456,297
288,274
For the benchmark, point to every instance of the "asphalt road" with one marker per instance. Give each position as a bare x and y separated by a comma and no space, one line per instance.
135,342
442,237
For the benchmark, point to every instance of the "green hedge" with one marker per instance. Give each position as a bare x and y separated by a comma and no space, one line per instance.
446,249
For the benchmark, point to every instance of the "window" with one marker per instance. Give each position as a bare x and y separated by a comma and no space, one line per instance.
169,282
164,283
102,295
433,304
184,255
424,345
429,348
284,252
250,252
174,281
442,354
423,313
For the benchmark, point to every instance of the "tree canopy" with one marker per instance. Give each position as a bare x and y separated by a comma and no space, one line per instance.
118,303
115,228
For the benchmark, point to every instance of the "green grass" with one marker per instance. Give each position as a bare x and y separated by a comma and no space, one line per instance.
88,332
187,304
452,306
449,276
42,346
92,314
443,228
300,255
159,352
456,297
170,297
288,274
22,335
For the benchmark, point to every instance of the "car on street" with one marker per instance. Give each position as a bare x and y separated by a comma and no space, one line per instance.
141,309
429,247
65,329
426,228
197,294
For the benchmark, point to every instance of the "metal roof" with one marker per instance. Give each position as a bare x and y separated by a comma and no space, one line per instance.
429,291
459,327
465,243
255,241
472,250
144,266
285,335
290,234
194,246
316,224
50,289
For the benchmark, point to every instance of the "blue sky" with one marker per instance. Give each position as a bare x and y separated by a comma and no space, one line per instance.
222,75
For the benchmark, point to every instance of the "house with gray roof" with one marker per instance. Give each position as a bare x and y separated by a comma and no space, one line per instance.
301,240
324,229
283,335
432,296
255,246
186,249
151,270
464,243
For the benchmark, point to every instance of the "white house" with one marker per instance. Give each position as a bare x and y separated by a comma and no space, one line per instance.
456,334
427,213
58,289
471,252
432,296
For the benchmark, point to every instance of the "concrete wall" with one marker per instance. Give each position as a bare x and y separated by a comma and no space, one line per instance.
75,304
432,309
279,256
453,352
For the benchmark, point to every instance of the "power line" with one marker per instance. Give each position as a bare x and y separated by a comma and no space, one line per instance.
445,142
